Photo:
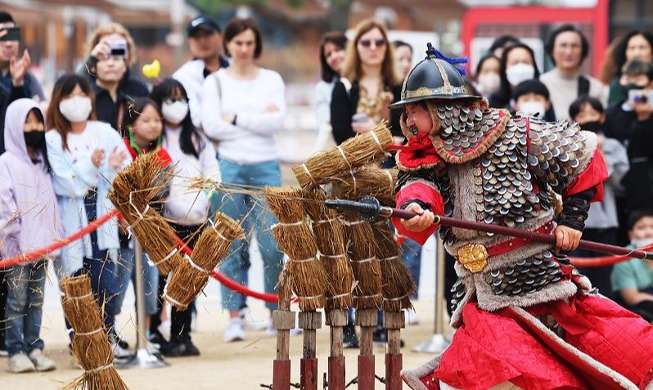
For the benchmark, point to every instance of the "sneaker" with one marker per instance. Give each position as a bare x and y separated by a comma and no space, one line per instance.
157,340
20,363
411,317
349,339
119,352
41,362
234,331
4,353
181,348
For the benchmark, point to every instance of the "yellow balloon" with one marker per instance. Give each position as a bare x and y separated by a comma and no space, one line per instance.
151,71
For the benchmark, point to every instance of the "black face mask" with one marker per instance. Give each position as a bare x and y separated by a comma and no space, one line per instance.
35,139
594,126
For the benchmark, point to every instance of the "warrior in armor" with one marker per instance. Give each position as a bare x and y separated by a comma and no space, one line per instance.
524,317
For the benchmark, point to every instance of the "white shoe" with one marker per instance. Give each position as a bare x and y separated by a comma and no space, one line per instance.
234,331
411,317
20,363
41,362
164,329
119,352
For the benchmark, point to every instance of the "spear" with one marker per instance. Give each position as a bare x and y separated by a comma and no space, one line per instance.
370,208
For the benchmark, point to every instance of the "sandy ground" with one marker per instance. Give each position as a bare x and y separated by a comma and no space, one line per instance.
240,365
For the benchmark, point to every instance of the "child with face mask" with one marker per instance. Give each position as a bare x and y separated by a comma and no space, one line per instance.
532,98
29,220
85,156
602,224
487,75
192,156
632,280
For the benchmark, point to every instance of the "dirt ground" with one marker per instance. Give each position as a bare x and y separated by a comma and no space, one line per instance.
240,365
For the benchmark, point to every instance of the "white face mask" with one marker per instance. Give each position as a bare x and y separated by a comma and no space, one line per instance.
76,109
174,112
535,109
520,72
489,83
641,242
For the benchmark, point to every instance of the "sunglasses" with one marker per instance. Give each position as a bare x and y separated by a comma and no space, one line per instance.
368,42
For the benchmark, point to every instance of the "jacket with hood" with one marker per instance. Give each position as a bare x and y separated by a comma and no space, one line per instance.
29,214
73,178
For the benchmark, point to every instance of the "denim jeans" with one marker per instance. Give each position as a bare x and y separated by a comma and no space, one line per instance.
251,212
25,307
412,258
125,272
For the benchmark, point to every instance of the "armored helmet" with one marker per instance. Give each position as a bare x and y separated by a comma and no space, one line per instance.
435,77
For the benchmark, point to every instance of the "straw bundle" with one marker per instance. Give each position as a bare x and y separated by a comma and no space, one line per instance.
90,343
191,275
329,237
368,181
308,278
132,191
360,150
398,284
362,253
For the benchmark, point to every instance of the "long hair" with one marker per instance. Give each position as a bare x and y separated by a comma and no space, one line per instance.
62,89
237,26
136,109
43,149
190,139
504,93
352,68
108,29
340,40
619,53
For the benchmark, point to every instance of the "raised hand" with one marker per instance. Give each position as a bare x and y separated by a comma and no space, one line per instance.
116,158
18,68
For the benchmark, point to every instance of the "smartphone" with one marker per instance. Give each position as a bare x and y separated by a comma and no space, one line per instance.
360,117
640,96
118,48
13,34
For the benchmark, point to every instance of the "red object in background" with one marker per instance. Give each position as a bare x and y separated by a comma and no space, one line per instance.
596,16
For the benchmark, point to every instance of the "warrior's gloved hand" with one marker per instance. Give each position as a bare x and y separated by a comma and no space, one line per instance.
567,239
422,221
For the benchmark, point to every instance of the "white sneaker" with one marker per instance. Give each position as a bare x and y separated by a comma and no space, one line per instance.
119,352
41,362
20,363
234,331
411,317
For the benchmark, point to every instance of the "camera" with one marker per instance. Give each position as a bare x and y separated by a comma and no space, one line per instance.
118,48
640,96
13,34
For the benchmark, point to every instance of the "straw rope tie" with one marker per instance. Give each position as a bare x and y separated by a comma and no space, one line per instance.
169,256
338,296
291,223
396,299
352,223
304,260
311,298
321,255
213,225
80,297
194,265
367,296
309,173
389,258
321,221
171,299
101,368
342,153
367,260
376,139
89,333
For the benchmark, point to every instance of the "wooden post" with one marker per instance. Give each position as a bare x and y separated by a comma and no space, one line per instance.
367,320
393,321
337,320
283,320
309,321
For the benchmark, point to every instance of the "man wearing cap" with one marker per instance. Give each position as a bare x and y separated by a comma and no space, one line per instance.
525,317
205,43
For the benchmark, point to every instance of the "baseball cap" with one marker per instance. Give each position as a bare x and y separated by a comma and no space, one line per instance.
202,23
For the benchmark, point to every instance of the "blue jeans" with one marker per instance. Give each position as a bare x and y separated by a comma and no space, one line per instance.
412,258
25,307
251,212
125,272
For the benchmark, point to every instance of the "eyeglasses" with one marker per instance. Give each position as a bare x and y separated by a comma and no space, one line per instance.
368,42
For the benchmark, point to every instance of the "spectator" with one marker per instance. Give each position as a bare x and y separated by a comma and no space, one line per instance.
602,222
501,43
630,122
205,45
145,136
85,156
403,58
187,210
29,220
486,77
369,84
532,98
517,65
636,44
244,111
332,56
9,54
633,279
111,51
568,48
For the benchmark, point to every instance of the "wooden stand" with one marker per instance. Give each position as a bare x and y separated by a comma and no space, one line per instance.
393,322
283,320
367,320
309,322
337,320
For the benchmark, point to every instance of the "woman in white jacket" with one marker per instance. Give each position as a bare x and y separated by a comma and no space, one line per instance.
243,109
